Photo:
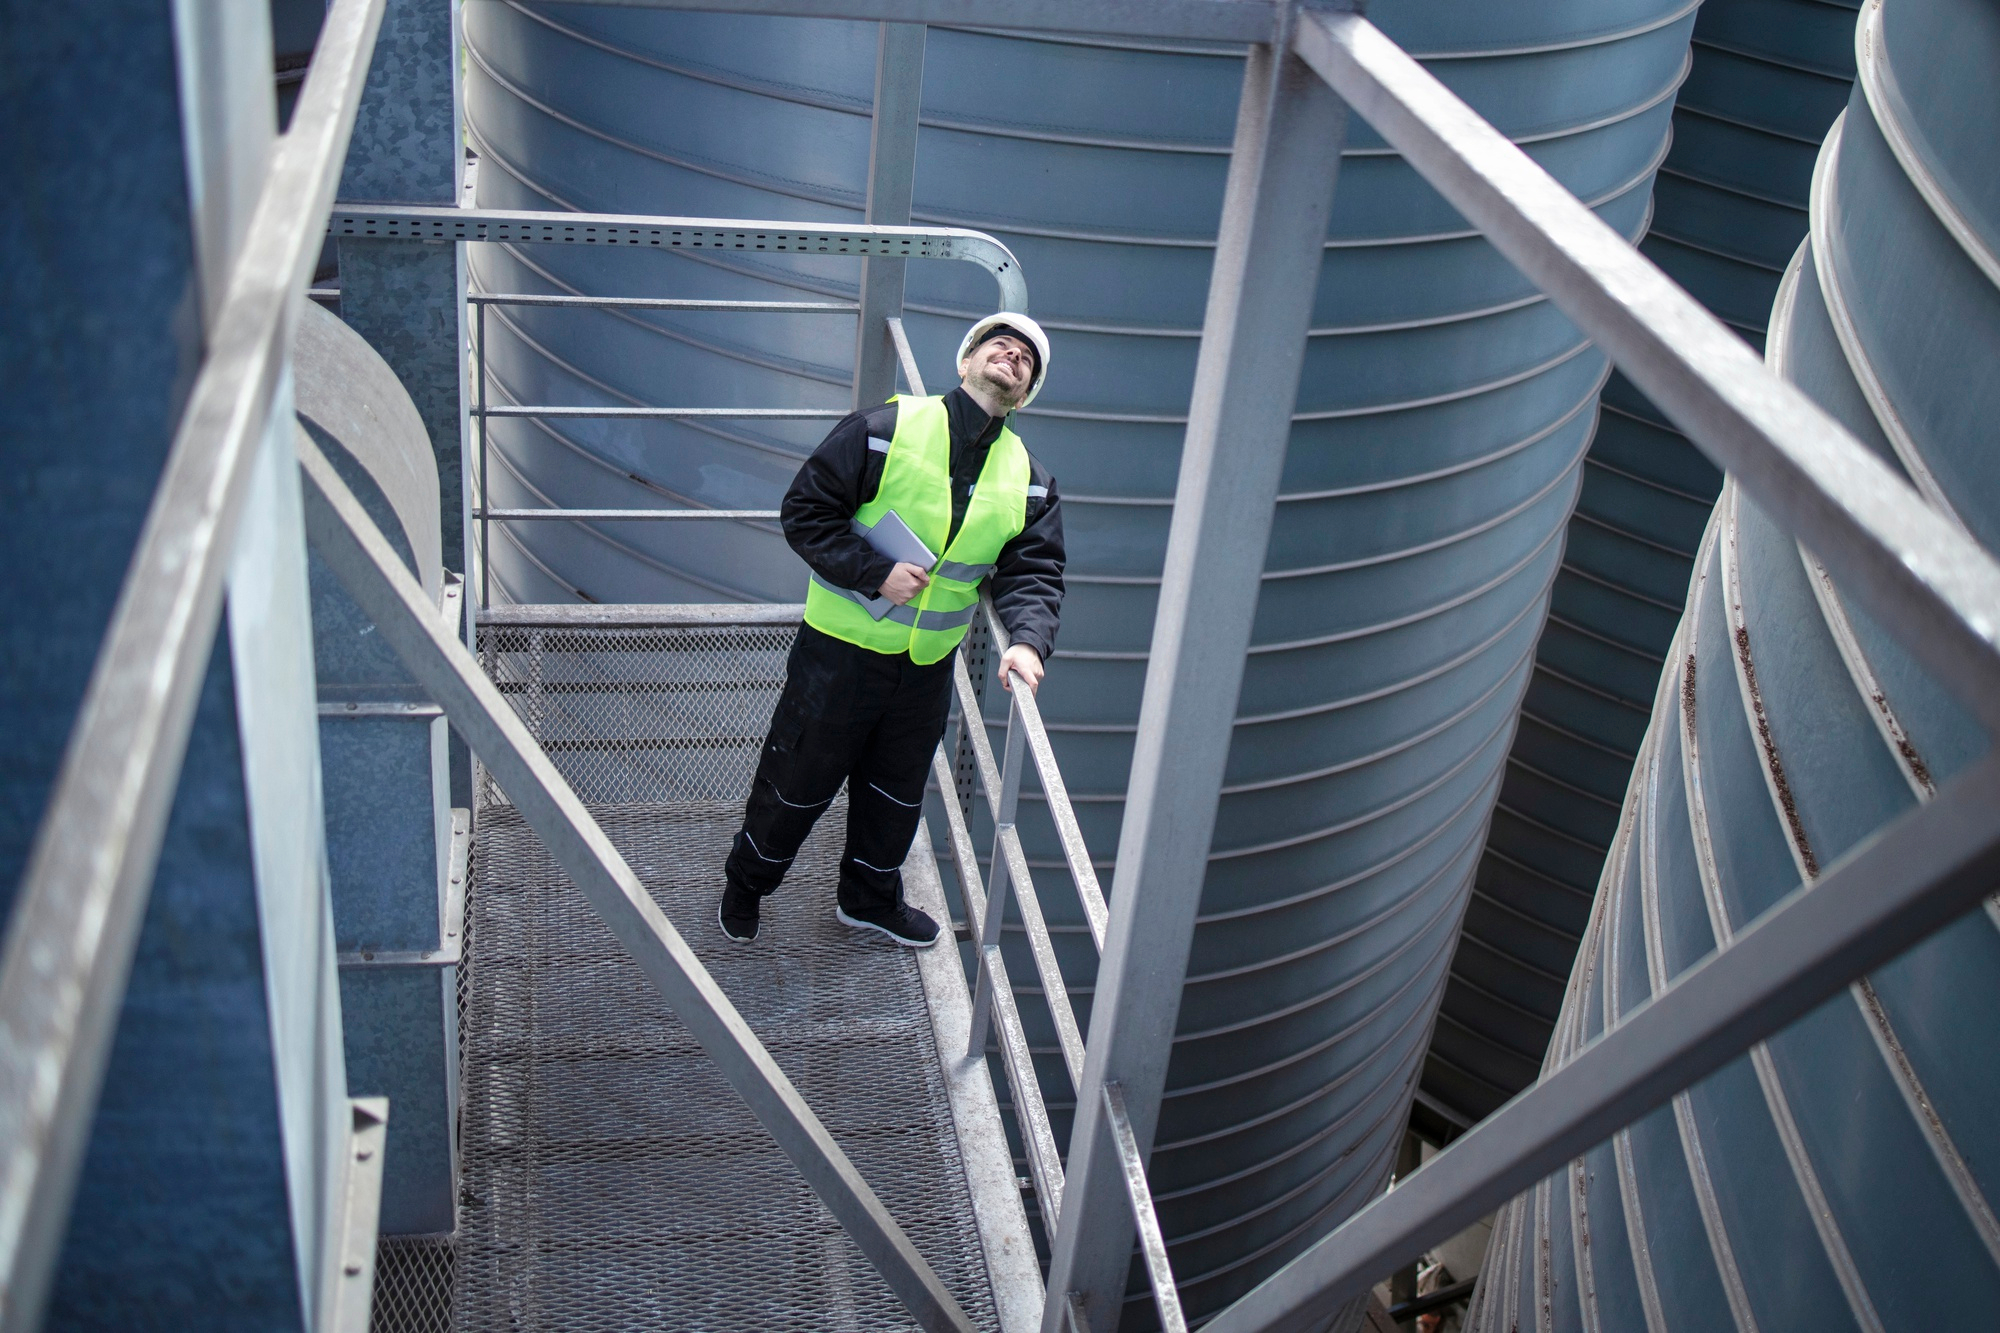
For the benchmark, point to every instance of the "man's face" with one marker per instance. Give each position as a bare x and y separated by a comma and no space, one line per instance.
1002,367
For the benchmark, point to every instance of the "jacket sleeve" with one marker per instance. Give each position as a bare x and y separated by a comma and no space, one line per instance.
818,511
1027,579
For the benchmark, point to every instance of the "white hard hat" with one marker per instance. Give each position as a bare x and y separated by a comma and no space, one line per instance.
1022,325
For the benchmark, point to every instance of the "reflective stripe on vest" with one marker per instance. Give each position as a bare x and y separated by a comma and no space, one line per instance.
904,615
916,484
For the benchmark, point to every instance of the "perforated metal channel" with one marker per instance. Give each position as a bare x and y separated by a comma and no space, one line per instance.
612,1179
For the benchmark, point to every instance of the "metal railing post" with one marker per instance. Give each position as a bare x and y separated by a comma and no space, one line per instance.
999,877
892,169
485,476
1289,132
975,650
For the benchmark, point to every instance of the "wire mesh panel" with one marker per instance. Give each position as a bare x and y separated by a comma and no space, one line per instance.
412,1285
612,1179
643,713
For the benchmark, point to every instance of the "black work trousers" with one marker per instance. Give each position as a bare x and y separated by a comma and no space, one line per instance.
854,715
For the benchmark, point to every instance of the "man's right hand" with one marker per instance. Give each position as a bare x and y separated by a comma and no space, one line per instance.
904,582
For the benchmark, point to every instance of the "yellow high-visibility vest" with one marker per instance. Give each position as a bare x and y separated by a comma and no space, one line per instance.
916,483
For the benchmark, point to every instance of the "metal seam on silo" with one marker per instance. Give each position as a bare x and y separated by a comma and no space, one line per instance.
1859,362
1776,1099
1907,1081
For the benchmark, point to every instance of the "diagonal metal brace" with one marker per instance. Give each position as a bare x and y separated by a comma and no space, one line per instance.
1893,891
349,542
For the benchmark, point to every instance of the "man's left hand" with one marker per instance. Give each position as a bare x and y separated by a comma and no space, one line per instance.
1025,660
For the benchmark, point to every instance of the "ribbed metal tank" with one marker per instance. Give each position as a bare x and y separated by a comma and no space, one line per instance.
1845,1173
1443,415
1729,208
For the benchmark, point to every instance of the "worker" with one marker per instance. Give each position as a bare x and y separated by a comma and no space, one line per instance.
869,680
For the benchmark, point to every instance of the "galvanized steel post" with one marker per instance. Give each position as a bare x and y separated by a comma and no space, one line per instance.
1289,133
892,170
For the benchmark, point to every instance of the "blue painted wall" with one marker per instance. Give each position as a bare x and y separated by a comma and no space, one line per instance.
201,1197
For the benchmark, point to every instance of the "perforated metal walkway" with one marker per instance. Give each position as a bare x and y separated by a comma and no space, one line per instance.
611,1178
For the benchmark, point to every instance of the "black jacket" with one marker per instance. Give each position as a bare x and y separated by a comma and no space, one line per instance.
844,473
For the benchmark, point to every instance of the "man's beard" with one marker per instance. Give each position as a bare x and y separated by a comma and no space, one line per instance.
1009,396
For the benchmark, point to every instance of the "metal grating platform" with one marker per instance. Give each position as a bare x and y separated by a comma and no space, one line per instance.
611,1178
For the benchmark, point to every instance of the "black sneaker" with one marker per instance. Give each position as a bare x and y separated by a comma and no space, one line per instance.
737,913
901,923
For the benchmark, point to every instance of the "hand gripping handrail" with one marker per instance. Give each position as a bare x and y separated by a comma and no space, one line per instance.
369,569
992,994
80,904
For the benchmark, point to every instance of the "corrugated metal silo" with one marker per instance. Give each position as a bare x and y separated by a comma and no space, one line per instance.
1441,421
1729,208
1844,1173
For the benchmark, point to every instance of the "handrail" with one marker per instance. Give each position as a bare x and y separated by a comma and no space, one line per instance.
1075,852
1031,1112
417,223
563,412
1010,868
659,303
446,224
991,989
624,515
80,904
374,577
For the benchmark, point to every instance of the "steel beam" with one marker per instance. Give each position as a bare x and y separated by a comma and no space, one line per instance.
1289,132
368,567
618,515
658,303
892,172
80,903
1213,20
1152,1245
1921,873
1932,585
442,225
557,412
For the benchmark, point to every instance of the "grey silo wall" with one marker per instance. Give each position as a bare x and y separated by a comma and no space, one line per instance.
1843,1174
1434,461
1729,208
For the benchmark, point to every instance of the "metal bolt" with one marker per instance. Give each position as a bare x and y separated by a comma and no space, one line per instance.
363,1154
354,1270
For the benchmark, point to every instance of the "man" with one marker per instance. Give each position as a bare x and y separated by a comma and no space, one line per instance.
868,683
